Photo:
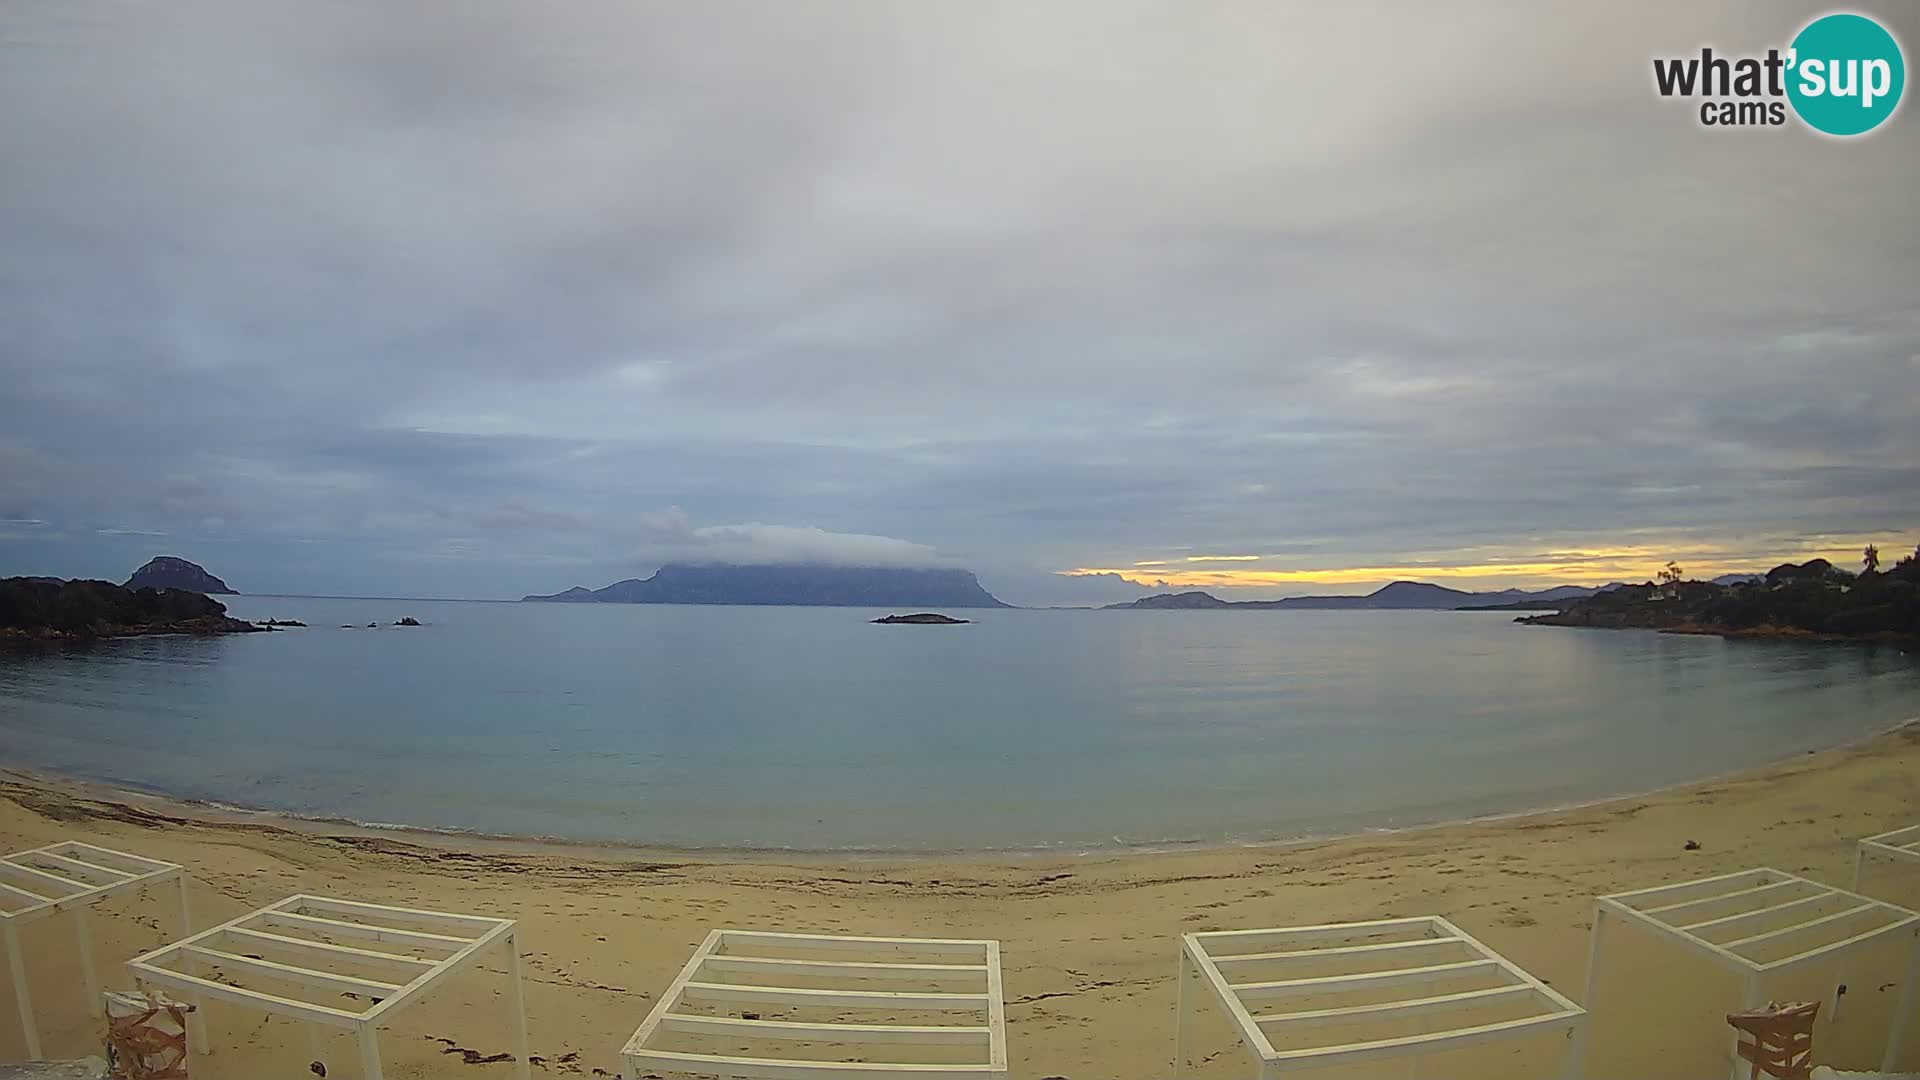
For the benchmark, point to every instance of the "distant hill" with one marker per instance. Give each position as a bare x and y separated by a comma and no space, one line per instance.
1397,596
1184,601
35,610
173,572
1547,599
1519,605
791,585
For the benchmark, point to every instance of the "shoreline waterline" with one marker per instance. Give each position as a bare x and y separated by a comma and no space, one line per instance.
1088,941
208,812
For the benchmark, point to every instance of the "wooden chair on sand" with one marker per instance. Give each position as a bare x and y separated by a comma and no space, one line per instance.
1777,1039
1763,925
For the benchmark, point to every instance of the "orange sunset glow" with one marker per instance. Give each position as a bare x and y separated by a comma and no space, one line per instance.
1631,563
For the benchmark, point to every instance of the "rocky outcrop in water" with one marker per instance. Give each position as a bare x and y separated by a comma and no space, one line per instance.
78,611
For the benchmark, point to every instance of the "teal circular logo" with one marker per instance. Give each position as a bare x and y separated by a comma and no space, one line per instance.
1845,74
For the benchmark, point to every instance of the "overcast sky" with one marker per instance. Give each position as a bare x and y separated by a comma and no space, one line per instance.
480,299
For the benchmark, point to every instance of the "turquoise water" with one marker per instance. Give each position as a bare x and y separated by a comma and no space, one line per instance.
810,728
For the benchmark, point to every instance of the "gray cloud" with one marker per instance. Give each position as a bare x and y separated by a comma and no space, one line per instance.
472,299
758,543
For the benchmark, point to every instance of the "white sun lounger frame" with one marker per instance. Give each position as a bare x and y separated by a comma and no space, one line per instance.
463,938
976,961
1900,844
70,876
1201,957
1730,902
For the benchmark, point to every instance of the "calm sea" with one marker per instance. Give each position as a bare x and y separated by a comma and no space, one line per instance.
810,728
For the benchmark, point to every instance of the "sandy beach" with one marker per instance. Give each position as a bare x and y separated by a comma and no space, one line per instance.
1088,942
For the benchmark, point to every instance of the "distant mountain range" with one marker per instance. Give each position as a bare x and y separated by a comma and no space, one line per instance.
791,584
813,585
1399,595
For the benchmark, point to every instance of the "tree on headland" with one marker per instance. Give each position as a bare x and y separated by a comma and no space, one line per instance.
1814,598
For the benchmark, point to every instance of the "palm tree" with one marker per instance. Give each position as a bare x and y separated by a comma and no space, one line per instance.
1871,557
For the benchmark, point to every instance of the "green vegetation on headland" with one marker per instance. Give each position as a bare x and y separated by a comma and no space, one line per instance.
36,610
1813,599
